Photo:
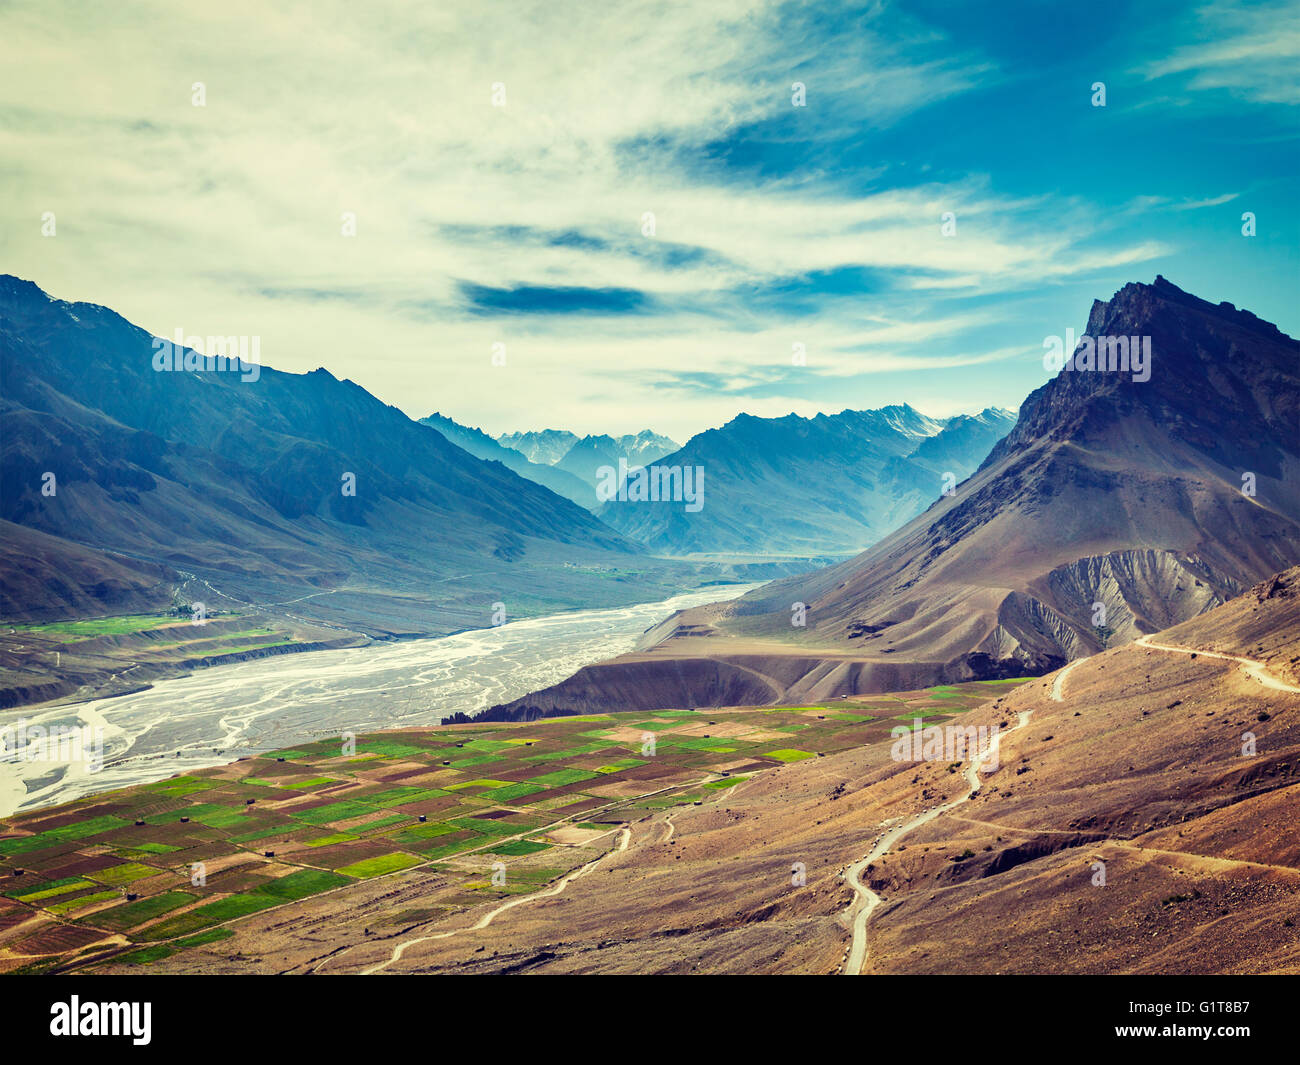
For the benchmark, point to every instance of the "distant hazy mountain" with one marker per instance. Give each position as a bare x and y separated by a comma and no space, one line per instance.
832,484
550,447
482,446
126,478
582,458
592,454
1115,507
545,447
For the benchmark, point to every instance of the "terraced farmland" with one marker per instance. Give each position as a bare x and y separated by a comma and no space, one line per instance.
478,812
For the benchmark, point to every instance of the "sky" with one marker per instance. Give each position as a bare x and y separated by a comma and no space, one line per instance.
636,204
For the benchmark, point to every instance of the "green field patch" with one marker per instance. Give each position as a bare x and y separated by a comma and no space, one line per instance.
61,908
384,863
449,848
264,833
144,955
326,841
572,752
218,912
124,874
853,719
26,844
511,792
484,782
469,763
86,630
50,889
620,765
120,918
788,754
227,649
562,777
233,906
154,848
313,782
301,884
487,745
521,846
177,787
655,726
84,829
392,749
401,796
213,935
487,827
287,755
335,811
696,743
418,833
727,783
194,813
222,817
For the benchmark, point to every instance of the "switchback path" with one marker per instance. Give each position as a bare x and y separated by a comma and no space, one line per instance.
1253,668
866,900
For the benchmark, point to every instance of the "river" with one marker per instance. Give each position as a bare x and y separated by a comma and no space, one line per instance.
224,713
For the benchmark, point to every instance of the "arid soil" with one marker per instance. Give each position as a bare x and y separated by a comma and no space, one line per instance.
1143,772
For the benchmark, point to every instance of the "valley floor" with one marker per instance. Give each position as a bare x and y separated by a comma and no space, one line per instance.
1140,817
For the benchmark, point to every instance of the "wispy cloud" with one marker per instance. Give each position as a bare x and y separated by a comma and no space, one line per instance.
527,224
1249,51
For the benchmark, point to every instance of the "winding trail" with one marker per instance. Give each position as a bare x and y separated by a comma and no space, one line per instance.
866,900
1253,668
672,828
510,904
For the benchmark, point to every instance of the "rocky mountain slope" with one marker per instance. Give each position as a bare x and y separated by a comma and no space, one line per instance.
482,446
268,487
833,484
1114,507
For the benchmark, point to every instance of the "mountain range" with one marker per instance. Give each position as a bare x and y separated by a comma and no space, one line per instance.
1116,506
124,480
482,446
832,484
583,458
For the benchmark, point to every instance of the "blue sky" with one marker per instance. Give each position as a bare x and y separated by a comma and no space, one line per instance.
522,220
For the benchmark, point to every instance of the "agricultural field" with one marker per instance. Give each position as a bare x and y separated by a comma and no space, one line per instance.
71,660
133,876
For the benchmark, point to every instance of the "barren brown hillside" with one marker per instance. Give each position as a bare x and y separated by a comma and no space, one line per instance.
1110,490
1139,766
